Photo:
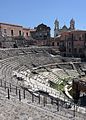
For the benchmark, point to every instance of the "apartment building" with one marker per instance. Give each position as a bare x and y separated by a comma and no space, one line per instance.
14,30
73,43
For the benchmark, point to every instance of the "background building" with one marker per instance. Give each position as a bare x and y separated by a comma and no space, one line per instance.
73,43
42,32
16,35
58,31
12,30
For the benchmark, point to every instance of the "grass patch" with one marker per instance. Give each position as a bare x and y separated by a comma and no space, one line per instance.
58,86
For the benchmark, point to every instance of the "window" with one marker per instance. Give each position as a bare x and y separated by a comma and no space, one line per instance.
85,36
27,34
52,43
5,31
11,32
45,37
40,36
69,44
40,28
75,50
20,33
80,50
69,50
62,44
57,43
79,38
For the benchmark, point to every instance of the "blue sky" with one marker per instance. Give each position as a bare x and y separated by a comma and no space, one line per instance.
30,13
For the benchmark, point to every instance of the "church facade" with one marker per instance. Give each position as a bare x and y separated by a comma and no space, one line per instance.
59,31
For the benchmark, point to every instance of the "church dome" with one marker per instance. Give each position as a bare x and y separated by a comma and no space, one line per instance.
64,27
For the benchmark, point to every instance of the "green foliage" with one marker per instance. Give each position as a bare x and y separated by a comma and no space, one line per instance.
60,86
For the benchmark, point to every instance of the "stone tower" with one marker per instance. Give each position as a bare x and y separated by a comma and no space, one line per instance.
72,24
56,28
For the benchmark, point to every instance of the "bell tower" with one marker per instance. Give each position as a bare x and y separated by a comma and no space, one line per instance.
72,24
56,28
